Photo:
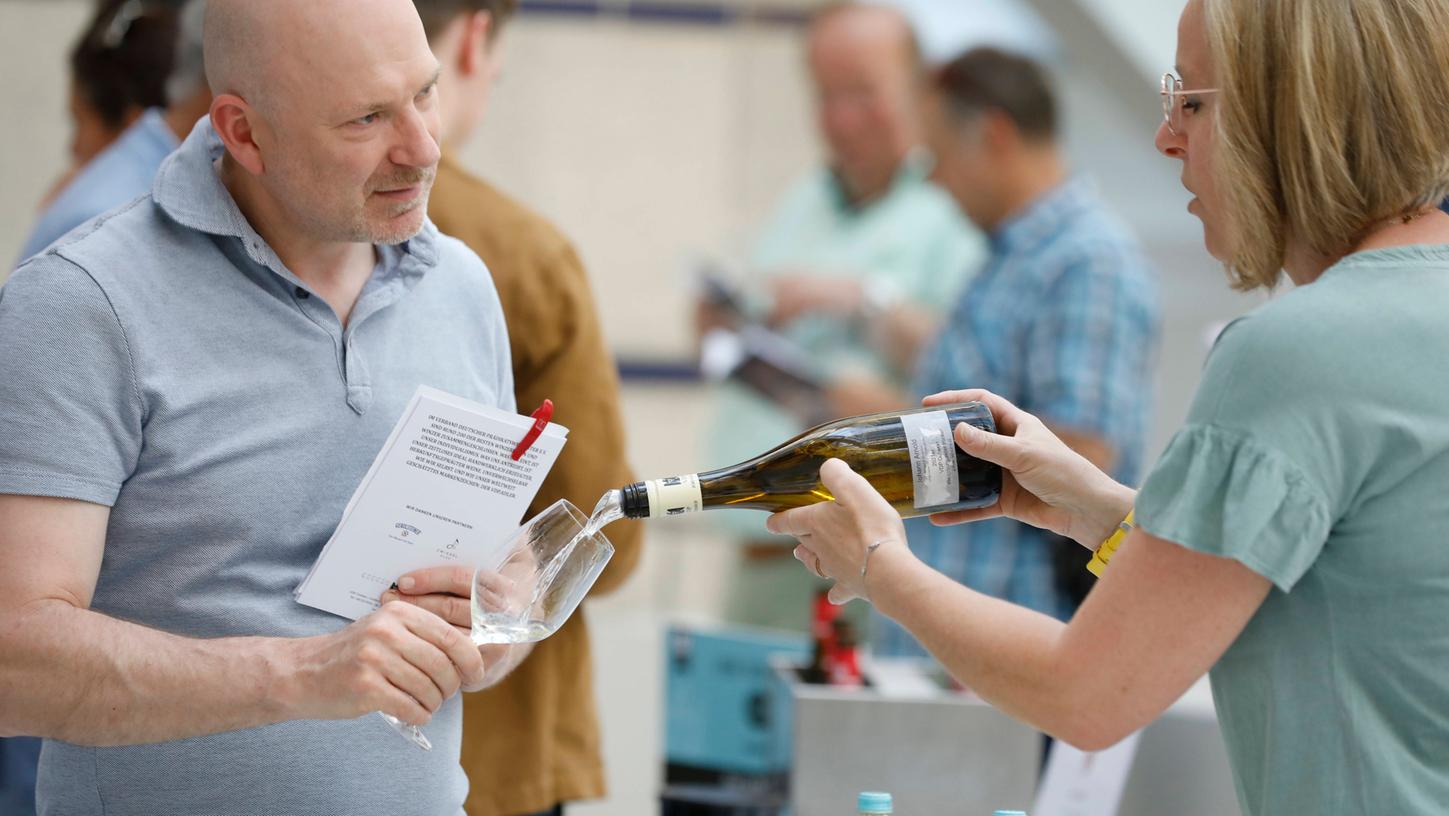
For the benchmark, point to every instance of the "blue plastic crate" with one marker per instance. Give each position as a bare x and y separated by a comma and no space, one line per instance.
724,708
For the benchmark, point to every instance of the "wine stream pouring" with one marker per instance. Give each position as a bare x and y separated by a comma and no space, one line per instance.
910,457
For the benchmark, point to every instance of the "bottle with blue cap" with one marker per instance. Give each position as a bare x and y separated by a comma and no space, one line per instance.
873,803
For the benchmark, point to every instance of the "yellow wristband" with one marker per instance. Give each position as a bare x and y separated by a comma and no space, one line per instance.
1105,552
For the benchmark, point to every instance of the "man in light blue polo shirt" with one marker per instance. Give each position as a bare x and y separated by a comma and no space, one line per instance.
126,169
190,388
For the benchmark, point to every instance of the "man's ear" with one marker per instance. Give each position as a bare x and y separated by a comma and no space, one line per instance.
234,121
998,132
477,39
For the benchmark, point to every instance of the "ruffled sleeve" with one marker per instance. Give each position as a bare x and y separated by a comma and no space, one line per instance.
1221,492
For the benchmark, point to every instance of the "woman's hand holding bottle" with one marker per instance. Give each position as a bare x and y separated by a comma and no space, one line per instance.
1044,483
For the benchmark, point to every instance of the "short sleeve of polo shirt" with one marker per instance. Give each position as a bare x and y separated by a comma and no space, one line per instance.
70,409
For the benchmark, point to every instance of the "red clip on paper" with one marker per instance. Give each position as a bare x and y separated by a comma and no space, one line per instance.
540,421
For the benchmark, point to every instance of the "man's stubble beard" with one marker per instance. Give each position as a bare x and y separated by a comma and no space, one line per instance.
387,233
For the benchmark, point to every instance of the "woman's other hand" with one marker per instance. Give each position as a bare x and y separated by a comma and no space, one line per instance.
835,535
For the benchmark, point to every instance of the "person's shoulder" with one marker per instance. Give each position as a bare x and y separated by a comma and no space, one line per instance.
121,170
104,184
1296,348
128,255
50,286
455,258
931,213
1095,227
124,236
1096,248
1093,241
812,192
458,278
927,197
1320,315
1347,319
120,173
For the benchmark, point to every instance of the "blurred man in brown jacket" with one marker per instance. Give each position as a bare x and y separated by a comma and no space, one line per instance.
531,743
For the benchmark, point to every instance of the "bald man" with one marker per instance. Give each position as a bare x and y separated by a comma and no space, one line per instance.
857,266
194,384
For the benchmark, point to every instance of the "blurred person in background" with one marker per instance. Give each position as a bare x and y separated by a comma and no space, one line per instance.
1062,320
531,743
1291,539
125,168
858,264
118,71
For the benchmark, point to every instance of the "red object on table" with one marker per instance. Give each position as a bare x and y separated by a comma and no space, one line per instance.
822,632
844,662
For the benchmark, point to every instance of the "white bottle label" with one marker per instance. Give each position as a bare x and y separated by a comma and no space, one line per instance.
674,496
933,459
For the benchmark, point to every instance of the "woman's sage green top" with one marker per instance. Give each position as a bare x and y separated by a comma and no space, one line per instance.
1316,453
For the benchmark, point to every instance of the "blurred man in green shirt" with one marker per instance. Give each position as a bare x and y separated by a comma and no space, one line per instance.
856,267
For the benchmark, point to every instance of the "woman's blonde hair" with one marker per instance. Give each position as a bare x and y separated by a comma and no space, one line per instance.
1333,118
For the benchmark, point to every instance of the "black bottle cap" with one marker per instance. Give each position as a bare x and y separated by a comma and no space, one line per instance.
635,501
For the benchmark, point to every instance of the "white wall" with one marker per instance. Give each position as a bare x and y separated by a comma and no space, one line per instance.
1144,30
648,144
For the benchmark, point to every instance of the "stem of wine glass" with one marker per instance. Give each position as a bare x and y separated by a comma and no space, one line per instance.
411,733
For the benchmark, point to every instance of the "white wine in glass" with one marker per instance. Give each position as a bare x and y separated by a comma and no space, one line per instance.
532,585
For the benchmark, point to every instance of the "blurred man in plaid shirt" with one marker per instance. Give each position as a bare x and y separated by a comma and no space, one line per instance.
1062,320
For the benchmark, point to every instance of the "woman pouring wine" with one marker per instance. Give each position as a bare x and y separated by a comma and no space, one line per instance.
1292,538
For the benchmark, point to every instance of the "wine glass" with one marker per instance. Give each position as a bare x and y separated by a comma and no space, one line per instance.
532,584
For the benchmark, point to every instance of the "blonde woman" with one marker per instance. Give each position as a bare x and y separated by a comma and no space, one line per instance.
1294,537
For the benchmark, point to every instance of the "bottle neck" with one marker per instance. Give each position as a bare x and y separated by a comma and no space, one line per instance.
635,501
657,498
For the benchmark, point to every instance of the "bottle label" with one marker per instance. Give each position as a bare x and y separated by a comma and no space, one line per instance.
933,459
674,496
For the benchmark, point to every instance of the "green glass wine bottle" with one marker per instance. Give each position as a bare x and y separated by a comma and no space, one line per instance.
910,457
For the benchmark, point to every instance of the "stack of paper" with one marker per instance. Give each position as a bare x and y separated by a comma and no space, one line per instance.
444,489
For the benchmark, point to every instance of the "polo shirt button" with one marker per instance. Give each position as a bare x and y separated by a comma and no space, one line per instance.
302,294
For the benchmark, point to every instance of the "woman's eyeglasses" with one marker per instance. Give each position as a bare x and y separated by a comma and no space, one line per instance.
1172,106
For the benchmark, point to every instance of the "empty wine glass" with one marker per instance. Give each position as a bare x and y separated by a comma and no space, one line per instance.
532,585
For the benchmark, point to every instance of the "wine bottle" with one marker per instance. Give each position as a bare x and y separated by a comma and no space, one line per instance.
910,457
